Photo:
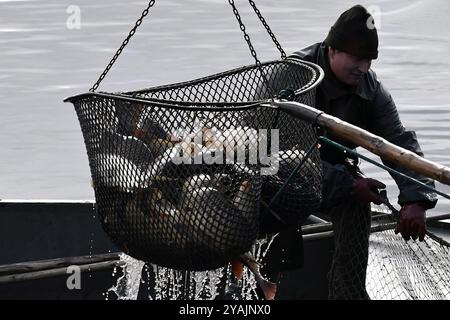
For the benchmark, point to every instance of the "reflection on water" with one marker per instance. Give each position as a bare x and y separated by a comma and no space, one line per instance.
42,62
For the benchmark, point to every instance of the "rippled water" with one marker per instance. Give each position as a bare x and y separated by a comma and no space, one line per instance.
42,62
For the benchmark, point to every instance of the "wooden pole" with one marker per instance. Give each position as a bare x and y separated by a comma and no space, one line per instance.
367,140
48,273
41,265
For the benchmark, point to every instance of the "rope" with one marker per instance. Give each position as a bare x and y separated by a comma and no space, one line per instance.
382,166
391,260
125,42
394,211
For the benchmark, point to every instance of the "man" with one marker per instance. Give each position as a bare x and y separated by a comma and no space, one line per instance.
352,92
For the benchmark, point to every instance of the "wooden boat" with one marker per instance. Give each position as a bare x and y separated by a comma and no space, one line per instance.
40,239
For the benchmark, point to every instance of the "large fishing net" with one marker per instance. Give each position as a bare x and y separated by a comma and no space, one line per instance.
183,174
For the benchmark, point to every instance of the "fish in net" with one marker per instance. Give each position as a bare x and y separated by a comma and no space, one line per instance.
183,173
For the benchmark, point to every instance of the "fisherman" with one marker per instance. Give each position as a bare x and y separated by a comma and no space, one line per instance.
351,91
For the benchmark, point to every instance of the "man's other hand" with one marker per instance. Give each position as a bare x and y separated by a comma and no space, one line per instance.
366,190
412,222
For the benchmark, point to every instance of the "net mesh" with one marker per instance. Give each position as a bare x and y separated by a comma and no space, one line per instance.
413,270
370,261
182,172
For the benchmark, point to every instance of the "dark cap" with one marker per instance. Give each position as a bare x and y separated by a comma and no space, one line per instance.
354,32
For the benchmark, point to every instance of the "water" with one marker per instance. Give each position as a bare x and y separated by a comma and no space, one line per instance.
168,284
42,62
127,286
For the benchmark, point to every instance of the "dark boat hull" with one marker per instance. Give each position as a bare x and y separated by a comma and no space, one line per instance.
39,239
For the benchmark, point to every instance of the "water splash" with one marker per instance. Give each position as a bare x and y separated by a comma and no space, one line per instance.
127,286
168,284
245,289
174,285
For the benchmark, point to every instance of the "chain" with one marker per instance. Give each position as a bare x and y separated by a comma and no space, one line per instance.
269,31
250,46
125,42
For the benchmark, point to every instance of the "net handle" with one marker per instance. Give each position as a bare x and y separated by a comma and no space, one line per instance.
124,44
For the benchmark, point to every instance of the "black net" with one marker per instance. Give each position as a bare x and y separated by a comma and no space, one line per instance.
183,173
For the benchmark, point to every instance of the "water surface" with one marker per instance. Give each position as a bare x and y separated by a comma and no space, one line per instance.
42,62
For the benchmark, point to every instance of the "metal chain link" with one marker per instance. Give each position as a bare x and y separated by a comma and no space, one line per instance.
250,46
125,42
269,31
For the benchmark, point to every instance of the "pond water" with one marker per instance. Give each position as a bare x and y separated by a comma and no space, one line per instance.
43,61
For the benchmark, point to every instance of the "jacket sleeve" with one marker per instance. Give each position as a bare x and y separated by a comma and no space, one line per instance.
337,182
385,122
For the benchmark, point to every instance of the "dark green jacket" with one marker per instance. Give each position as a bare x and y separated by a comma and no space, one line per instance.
371,107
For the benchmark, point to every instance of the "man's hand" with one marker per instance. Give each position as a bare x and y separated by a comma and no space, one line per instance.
412,222
366,190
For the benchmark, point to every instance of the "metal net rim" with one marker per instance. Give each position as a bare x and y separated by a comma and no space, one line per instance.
316,71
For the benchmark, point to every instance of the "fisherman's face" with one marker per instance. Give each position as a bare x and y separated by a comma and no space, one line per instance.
348,68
